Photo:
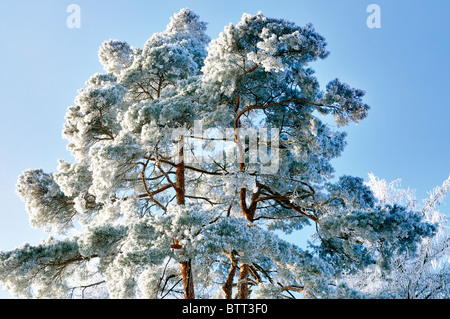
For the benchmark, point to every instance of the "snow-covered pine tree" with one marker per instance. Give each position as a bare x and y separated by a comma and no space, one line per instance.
131,217
420,274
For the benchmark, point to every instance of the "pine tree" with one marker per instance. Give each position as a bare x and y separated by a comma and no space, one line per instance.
189,155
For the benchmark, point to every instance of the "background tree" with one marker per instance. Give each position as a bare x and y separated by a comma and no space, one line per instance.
424,274
134,219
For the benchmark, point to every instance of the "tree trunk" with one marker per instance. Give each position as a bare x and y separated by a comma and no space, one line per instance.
243,291
186,269
243,284
227,288
188,283
180,188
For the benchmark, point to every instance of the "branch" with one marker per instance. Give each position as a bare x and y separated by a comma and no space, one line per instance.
263,107
231,205
145,91
251,70
168,291
150,195
164,173
63,264
84,287
154,192
203,198
61,202
101,127
259,107
217,173
285,217
293,288
286,201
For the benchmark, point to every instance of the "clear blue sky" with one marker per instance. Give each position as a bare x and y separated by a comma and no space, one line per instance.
404,67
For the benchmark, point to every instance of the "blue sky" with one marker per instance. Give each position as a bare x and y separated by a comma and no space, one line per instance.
403,66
